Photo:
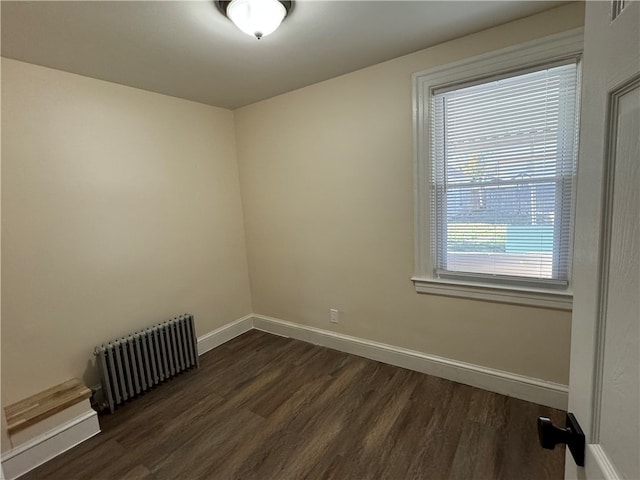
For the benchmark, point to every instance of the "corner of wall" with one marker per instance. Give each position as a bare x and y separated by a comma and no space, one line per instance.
243,203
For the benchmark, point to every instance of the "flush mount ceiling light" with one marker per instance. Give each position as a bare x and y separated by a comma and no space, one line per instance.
257,18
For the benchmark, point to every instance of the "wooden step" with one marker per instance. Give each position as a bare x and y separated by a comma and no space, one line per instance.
42,405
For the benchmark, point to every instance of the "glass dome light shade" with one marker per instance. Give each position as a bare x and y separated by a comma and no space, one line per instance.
257,18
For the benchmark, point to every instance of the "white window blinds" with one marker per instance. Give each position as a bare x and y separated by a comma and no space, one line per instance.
504,159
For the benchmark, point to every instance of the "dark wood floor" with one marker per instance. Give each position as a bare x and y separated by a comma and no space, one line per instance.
267,407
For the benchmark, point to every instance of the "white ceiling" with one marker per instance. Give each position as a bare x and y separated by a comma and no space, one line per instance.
187,49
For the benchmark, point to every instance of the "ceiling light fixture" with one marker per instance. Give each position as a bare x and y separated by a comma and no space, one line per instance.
257,18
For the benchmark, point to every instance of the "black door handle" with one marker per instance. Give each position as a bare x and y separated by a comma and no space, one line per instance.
550,435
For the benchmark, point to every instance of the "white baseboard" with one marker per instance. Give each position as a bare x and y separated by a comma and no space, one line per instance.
32,454
221,335
519,386
601,467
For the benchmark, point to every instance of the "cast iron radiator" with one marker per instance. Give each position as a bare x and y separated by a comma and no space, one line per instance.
136,363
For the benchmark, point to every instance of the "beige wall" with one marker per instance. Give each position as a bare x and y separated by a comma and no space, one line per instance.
5,442
327,187
120,208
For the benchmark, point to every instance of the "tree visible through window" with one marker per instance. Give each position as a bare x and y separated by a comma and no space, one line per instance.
503,168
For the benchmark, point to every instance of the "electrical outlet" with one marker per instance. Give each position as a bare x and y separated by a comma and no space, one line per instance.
333,315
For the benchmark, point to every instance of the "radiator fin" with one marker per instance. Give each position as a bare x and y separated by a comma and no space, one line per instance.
178,328
134,364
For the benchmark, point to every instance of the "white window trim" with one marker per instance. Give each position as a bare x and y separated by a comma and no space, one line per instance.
541,51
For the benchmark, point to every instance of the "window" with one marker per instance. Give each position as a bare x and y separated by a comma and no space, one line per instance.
496,154
503,168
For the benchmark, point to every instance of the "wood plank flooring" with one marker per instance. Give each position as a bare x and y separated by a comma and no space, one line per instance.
266,407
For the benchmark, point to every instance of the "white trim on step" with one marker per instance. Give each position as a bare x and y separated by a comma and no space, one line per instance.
519,386
221,335
32,454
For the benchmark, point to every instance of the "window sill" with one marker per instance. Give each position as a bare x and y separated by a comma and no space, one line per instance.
495,293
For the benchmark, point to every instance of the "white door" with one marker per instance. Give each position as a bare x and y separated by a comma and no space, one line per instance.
604,381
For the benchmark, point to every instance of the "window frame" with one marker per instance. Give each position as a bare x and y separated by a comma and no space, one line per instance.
547,50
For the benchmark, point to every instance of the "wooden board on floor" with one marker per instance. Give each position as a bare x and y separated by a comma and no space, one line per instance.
36,408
